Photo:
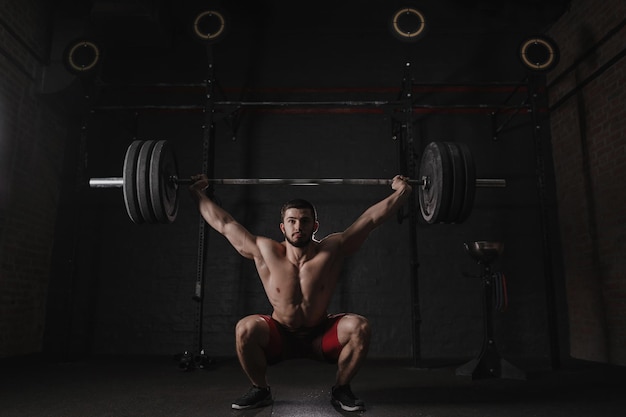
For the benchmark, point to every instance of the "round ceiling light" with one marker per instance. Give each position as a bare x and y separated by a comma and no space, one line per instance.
408,24
209,25
82,56
539,53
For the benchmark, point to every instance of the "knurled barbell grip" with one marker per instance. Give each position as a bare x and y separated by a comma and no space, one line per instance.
297,181
480,182
490,182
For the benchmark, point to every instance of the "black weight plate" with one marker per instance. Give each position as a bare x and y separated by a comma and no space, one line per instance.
470,181
458,182
434,196
143,181
163,191
155,183
131,199
170,169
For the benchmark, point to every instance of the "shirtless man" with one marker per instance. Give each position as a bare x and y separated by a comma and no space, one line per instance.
299,276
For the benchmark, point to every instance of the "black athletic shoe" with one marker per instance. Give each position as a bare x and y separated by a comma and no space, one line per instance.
342,396
255,397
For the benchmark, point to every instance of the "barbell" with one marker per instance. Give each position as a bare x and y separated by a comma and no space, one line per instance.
446,184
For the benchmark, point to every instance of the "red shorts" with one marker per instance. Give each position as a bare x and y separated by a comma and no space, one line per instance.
320,342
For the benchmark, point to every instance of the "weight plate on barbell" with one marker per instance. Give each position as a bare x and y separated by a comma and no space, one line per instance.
163,191
470,183
129,187
434,195
458,182
143,182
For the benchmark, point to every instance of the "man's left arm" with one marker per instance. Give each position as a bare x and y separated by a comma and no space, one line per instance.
354,236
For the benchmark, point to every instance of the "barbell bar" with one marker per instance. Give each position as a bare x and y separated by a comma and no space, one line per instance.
118,182
446,184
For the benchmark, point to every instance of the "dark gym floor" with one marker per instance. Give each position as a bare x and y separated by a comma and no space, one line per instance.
157,387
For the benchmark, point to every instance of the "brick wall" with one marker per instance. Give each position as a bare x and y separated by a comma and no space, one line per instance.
589,133
31,153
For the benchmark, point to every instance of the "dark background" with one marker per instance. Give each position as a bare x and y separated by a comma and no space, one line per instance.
119,288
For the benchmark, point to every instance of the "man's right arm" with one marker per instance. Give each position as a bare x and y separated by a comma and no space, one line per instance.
223,222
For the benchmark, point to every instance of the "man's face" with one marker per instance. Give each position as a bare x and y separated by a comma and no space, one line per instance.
298,227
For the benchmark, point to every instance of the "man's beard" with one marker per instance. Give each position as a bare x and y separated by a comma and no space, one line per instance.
300,243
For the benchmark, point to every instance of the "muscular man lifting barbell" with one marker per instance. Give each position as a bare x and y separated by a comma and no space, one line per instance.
299,276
